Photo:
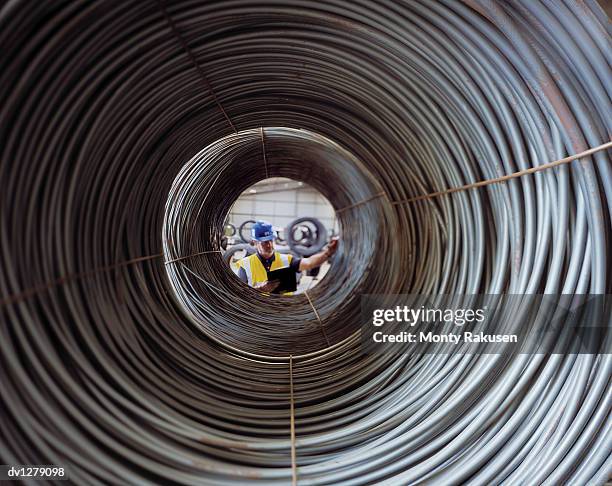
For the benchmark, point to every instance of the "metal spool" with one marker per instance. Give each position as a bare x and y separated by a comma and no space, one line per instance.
245,230
311,235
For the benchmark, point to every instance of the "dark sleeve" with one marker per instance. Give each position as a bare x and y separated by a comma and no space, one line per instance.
242,275
295,264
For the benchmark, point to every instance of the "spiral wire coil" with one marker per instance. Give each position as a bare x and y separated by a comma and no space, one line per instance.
128,128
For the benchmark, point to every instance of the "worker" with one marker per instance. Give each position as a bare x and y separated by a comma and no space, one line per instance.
253,269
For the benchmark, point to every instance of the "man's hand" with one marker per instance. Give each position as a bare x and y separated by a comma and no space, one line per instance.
267,286
317,260
332,247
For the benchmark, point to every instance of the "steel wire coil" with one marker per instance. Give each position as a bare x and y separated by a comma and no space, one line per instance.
245,232
312,239
204,191
123,379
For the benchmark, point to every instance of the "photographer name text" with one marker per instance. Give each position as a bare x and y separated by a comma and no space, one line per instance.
431,337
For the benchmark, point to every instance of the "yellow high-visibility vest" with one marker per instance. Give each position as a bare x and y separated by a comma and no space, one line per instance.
256,272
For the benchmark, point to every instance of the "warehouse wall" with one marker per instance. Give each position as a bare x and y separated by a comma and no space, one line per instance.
280,201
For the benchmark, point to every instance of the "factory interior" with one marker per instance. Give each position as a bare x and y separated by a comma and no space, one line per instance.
206,205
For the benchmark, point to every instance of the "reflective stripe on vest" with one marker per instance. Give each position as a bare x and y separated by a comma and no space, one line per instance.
284,258
256,272
246,264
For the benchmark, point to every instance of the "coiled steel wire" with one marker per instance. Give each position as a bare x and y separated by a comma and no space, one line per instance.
106,370
204,191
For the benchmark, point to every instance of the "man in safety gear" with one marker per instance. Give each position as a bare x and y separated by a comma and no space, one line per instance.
253,269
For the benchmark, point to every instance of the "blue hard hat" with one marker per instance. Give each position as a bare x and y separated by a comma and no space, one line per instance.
262,231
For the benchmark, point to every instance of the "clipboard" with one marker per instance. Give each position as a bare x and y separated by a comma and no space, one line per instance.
286,277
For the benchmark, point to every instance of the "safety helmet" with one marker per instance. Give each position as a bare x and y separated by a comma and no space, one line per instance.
262,231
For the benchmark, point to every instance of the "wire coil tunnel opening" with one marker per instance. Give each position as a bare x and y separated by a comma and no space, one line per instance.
241,317
101,109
